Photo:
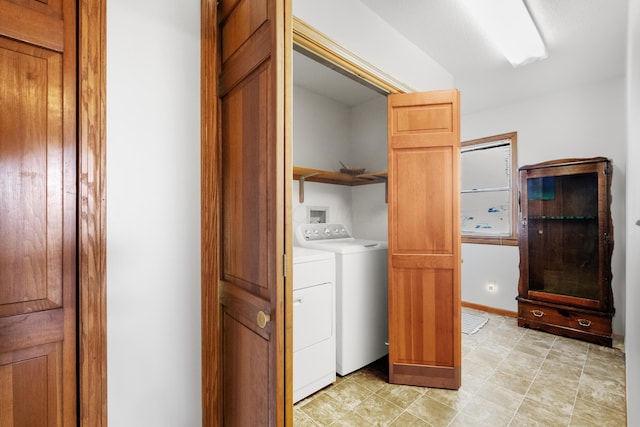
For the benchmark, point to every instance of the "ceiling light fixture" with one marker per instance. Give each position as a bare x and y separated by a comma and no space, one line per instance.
508,24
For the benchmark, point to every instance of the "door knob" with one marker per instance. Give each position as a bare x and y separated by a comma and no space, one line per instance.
262,319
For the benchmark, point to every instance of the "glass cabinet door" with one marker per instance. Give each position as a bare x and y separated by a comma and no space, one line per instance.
563,235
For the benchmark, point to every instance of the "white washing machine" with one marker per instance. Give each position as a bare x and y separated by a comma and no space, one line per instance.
314,321
361,293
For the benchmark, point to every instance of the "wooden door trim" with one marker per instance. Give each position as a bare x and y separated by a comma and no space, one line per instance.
209,208
92,286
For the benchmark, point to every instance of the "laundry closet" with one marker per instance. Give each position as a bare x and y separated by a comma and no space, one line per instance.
339,224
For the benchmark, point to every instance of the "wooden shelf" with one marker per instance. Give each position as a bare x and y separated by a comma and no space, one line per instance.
328,177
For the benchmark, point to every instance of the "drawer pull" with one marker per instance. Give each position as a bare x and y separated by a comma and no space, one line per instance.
537,313
584,322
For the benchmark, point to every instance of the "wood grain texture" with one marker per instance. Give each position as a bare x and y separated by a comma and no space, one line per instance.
249,200
38,148
92,359
285,346
31,144
210,206
424,239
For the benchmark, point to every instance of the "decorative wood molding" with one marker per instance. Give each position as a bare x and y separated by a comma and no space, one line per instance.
92,320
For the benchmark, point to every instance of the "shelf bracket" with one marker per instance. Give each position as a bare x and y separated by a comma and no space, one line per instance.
386,189
301,186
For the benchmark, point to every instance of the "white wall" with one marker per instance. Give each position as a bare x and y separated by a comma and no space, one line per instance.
321,138
321,131
632,337
369,147
582,122
153,213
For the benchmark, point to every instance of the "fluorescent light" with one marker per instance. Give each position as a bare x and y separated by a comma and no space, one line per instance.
508,24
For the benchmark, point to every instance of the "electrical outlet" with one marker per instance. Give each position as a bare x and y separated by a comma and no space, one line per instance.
491,287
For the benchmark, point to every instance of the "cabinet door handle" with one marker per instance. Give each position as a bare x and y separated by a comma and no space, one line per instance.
584,322
537,313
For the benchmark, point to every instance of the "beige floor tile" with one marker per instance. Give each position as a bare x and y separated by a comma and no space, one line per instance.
482,412
300,419
456,399
432,411
511,376
586,412
401,395
369,379
502,397
541,413
351,419
514,383
568,372
349,393
324,409
407,420
557,400
520,420
487,357
533,347
378,411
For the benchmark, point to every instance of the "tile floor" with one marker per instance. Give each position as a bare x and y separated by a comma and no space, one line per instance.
511,376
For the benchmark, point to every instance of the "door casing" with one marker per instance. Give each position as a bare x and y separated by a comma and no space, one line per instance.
92,285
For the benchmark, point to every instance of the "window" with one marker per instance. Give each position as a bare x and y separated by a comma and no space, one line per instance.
489,190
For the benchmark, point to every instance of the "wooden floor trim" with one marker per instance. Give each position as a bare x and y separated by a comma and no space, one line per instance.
488,309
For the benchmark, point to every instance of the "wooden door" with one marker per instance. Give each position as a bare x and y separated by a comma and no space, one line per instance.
424,239
252,38
37,213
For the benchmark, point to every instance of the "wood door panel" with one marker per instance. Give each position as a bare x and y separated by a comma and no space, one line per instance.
247,209
422,200
38,188
424,239
423,302
241,24
422,118
31,387
31,222
247,58
245,362
33,22
28,330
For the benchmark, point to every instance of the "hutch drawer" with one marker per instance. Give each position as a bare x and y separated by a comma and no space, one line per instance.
594,327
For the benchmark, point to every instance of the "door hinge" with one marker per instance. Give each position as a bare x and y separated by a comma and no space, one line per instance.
284,265
607,238
606,170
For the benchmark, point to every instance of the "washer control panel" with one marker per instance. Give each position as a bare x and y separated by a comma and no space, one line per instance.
312,232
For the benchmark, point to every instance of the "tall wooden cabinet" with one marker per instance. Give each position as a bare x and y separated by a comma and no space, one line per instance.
566,241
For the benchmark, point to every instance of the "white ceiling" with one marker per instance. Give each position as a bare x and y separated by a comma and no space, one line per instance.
585,39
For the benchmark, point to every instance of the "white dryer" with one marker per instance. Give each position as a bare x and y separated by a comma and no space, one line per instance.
314,331
361,293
